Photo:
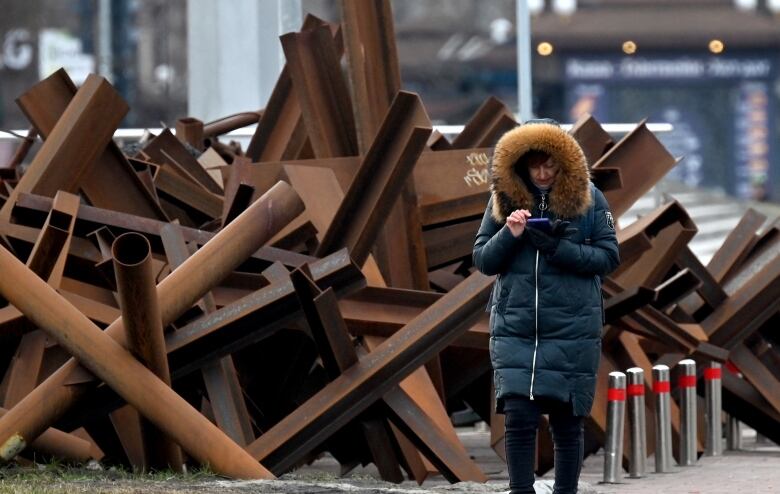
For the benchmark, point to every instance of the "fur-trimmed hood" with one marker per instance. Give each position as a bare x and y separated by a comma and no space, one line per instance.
570,195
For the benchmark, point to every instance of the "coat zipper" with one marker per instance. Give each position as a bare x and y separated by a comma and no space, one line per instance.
542,208
536,325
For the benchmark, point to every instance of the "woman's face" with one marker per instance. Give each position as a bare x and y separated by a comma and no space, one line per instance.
543,173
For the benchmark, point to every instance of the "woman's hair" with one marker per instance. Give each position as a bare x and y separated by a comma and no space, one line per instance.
531,158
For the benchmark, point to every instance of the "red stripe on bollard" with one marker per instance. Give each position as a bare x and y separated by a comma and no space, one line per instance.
636,390
615,394
687,382
661,387
712,373
731,367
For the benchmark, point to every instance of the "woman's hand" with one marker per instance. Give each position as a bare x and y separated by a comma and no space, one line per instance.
516,221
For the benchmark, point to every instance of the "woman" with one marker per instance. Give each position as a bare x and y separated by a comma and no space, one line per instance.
546,312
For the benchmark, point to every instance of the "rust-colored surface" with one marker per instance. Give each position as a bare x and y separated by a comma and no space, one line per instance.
44,105
338,304
176,293
107,359
75,142
143,326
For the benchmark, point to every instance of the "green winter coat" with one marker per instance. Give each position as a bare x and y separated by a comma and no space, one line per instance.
546,312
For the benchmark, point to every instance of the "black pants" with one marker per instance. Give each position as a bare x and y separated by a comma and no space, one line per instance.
522,420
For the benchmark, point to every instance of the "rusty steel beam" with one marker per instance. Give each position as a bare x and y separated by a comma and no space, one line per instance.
326,324
241,200
176,293
214,164
281,132
753,292
189,130
765,349
378,182
32,210
642,161
321,193
452,184
219,376
675,288
375,311
757,374
743,401
404,267
145,171
43,105
143,326
632,245
166,149
99,313
736,258
187,195
75,142
338,354
710,292
450,458
234,176
592,138
431,428
606,178
53,240
737,245
82,255
234,327
254,317
653,266
623,302
362,385
438,142
113,364
491,120
372,63
451,243
47,260
668,229
313,65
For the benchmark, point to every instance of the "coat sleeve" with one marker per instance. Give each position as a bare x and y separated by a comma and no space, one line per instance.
494,245
601,257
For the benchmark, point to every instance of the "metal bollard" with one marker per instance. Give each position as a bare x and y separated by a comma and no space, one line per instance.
663,422
687,385
733,434
637,425
712,391
616,411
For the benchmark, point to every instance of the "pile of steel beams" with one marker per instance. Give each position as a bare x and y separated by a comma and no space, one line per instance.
192,302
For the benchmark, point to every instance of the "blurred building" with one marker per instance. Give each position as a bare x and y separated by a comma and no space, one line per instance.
144,53
710,67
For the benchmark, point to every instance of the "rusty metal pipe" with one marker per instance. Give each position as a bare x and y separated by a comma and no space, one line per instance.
124,374
132,256
59,444
175,294
230,123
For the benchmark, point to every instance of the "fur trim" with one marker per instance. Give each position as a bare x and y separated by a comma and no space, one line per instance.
570,195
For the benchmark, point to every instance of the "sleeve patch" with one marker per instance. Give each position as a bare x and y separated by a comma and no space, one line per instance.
610,220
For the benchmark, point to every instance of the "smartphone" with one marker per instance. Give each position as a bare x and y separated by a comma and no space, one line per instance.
542,224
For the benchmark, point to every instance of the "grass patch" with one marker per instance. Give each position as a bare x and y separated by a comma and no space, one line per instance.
55,478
